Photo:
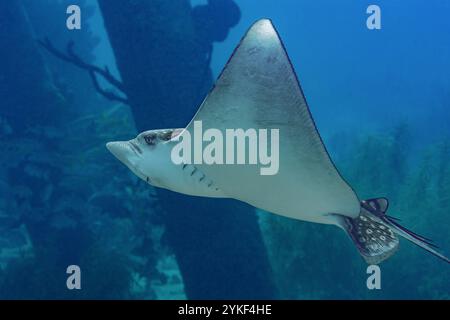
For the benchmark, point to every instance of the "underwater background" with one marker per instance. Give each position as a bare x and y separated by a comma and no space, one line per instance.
380,98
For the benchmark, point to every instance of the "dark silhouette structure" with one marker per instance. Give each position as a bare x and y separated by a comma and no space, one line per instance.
163,57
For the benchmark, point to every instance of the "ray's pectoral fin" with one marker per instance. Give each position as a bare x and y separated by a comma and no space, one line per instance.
259,90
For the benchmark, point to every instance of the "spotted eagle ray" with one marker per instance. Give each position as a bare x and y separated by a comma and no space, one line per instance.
258,88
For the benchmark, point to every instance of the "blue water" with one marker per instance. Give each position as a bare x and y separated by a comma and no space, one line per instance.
380,99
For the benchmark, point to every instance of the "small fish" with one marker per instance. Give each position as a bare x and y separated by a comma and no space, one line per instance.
258,88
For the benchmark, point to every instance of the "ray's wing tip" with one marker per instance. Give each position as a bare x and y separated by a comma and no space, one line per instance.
263,21
264,26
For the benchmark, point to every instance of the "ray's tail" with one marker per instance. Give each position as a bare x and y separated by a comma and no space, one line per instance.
374,233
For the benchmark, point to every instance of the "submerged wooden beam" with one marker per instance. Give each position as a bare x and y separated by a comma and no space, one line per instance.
165,71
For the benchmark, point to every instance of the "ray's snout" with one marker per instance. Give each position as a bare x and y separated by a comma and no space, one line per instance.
122,150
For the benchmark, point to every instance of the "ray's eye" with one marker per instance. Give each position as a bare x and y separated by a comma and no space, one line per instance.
150,139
